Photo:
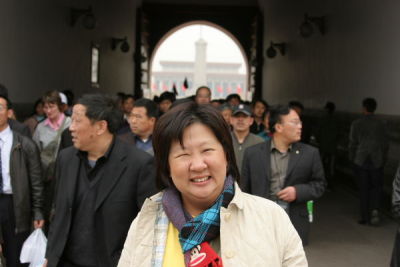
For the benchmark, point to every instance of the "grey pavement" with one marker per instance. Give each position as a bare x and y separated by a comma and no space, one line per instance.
338,240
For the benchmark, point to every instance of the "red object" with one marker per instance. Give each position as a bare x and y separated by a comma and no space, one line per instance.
219,88
154,87
204,256
239,89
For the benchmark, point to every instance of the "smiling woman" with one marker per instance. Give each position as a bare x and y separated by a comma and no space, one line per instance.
201,218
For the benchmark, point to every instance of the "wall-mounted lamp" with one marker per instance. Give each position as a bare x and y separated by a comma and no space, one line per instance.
271,51
124,44
307,29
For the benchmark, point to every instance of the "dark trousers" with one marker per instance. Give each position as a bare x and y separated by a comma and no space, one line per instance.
395,262
12,241
370,182
328,161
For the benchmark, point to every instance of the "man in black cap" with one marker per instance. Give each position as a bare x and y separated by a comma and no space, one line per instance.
241,121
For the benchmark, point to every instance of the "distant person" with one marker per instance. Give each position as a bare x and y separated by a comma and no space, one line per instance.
395,262
64,102
266,133
47,136
127,104
368,148
226,112
259,107
142,120
70,101
216,103
14,124
36,117
203,95
242,138
285,170
306,131
166,100
233,100
327,137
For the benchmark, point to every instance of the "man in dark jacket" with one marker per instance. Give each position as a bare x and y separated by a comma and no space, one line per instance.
101,185
285,170
396,213
21,187
368,148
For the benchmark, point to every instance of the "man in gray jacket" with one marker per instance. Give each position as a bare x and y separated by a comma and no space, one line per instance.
21,187
368,147
242,138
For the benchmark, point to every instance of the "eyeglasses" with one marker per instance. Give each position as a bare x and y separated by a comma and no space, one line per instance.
295,123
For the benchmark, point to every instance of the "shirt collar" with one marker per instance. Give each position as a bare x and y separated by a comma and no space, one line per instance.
57,124
6,133
141,140
83,154
273,147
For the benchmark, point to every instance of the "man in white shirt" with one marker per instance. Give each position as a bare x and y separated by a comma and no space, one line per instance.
21,187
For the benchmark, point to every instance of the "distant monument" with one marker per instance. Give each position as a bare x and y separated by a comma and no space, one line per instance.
222,78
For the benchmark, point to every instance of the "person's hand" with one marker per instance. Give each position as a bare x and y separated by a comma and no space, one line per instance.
38,224
45,263
287,194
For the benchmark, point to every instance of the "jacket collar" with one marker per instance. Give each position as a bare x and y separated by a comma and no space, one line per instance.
114,168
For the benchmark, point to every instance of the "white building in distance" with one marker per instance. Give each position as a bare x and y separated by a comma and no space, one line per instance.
222,78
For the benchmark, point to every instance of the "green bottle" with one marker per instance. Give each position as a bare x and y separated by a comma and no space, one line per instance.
310,209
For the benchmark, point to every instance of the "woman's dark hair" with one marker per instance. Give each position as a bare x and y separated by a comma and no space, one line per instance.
167,96
53,97
101,107
259,100
37,103
171,126
275,115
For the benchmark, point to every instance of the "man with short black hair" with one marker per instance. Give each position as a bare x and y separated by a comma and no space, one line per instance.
21,187
233,100
101,185
368,148
241,120
203,95
14,124
284,170
142,119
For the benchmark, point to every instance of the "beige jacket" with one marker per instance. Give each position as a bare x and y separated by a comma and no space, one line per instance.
254,232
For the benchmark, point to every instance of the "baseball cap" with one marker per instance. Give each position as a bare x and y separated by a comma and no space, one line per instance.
241,108
63,98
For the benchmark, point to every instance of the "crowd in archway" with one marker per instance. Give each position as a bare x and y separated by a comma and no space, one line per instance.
82,171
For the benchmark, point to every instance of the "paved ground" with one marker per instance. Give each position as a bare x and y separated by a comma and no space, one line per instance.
337,240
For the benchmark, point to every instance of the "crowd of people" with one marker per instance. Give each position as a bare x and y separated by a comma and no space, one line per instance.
236,180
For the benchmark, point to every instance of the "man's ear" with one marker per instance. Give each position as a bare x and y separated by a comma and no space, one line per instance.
278,127
102,127
10,114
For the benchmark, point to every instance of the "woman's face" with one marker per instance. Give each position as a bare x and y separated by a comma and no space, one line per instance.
39,109
52,111
198,169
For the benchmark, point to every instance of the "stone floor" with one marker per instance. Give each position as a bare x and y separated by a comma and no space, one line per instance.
338,240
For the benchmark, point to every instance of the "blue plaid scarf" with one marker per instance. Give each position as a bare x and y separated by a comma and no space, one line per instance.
202,228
